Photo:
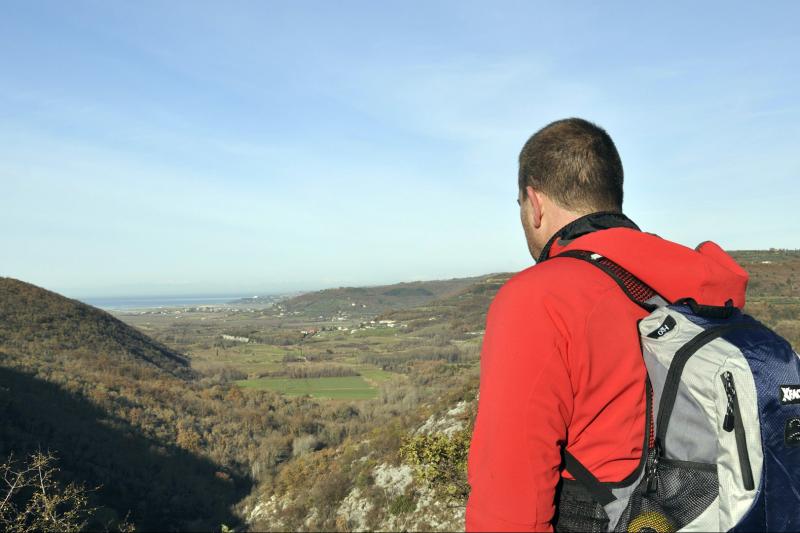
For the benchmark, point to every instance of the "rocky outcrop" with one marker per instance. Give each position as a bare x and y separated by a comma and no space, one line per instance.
392,498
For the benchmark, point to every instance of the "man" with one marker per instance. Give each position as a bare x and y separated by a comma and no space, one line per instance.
561,365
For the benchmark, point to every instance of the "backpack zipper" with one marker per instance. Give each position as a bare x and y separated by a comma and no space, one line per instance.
651,430
733,422
673,379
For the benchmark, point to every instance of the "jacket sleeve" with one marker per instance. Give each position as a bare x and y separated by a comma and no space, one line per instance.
524,407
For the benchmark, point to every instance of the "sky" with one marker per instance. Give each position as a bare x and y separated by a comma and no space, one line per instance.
252,147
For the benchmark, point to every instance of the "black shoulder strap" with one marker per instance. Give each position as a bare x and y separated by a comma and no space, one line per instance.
641,294
601,493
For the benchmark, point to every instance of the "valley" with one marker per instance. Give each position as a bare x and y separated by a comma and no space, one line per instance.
346,353
321,411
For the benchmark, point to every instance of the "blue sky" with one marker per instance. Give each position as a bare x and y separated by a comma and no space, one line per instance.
245,147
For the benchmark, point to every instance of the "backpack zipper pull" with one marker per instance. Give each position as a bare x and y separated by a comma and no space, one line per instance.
734,421
652,482
730,391
652,472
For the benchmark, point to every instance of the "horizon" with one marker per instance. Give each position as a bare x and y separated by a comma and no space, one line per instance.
300,290
207,148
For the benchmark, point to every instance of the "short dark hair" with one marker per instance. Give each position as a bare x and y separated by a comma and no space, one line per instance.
575,163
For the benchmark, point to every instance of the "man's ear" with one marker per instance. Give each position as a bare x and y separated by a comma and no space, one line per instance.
535,198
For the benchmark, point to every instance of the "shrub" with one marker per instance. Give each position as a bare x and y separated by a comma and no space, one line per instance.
440,460
402,504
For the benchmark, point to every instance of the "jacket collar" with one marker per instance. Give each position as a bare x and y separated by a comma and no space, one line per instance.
586,224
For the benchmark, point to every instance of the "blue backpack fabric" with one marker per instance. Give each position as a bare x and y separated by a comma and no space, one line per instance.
775,368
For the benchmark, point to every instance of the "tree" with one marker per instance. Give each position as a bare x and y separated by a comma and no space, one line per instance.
32,500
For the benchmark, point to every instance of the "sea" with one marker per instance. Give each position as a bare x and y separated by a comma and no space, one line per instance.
157,302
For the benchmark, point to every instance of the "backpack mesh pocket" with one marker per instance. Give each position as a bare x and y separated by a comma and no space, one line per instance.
684,491
577,511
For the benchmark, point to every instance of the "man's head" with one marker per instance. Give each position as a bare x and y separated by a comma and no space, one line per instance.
568,169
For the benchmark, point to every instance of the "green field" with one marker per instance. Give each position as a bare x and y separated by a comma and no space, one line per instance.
342,388
375,374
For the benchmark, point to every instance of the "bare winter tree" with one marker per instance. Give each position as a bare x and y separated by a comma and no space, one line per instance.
32,500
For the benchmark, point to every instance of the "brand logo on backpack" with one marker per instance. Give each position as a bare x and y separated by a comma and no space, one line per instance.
790,394
665,327
791,436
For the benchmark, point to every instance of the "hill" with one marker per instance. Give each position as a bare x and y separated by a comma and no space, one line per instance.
38,322
461,312
773,296
773,273
371,301
122,413
773,293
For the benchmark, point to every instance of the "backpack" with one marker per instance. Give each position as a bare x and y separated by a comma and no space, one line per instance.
722,442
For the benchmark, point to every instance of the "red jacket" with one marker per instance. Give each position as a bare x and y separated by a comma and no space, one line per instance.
561,364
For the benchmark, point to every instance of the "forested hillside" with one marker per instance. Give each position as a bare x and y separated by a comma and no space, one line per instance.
116,408
40,324
166,447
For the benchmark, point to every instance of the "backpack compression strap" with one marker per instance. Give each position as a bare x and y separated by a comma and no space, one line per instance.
601,493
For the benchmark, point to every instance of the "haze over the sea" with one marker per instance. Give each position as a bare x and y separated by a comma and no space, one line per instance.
118,303
191,147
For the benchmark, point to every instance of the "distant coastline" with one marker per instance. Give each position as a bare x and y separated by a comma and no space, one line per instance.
156,302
